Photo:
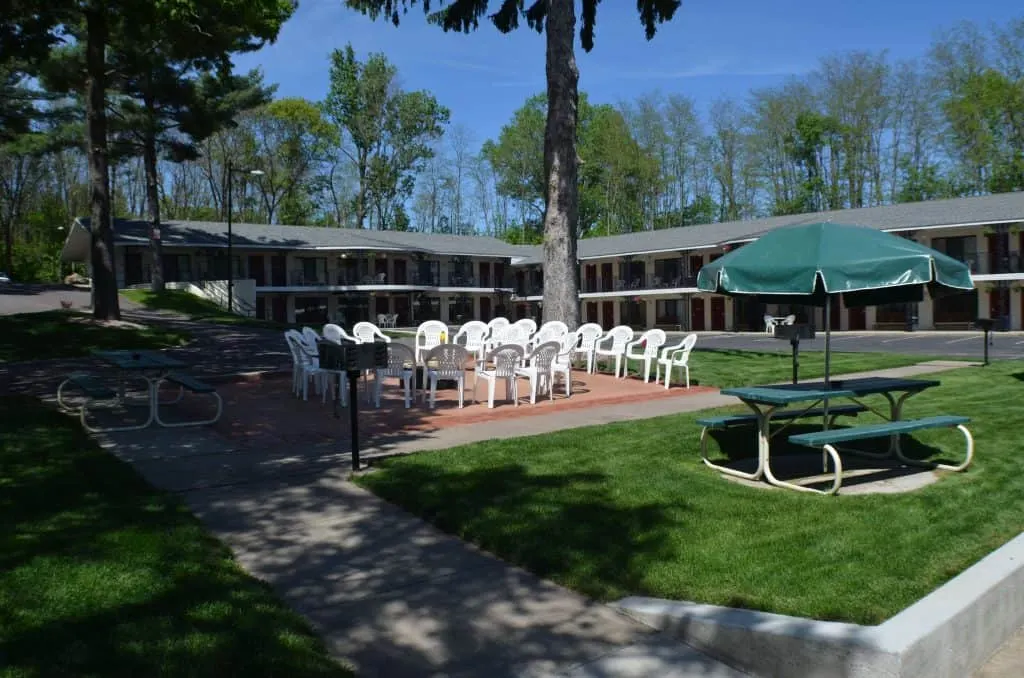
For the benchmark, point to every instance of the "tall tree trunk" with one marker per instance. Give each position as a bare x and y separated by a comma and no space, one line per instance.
153,205
561,286
104,277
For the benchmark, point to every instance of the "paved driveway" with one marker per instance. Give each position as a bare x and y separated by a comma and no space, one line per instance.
18,298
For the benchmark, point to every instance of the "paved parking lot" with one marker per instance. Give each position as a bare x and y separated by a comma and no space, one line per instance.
18,298
938,344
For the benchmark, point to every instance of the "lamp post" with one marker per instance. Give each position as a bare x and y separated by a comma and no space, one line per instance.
231,269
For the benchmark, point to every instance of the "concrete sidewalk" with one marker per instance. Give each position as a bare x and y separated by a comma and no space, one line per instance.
389,592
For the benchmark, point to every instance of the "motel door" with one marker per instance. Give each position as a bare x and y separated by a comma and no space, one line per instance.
279,308
256,271
697,314
278,271
399,271
606,278
401,306
590,278
718,313
608,314
485,302
591,312
999,305
858,318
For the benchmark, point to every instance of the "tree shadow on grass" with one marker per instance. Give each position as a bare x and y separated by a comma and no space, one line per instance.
102,575
567,526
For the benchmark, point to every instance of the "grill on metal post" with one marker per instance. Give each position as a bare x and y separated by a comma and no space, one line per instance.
353,359
795,333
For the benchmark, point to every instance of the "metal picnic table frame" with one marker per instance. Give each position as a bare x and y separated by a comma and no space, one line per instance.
765,401
151,366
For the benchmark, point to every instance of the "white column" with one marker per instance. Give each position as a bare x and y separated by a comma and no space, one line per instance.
1016,322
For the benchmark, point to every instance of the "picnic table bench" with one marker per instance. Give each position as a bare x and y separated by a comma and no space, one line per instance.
768,403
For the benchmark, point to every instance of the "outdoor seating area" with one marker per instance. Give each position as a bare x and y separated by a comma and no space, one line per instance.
482,354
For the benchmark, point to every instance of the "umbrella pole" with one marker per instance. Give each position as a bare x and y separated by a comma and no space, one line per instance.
828,367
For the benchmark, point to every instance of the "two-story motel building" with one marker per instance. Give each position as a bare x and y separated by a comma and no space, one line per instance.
310,275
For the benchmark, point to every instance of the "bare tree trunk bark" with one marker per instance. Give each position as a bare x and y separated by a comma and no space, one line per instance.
153,204
104,277
561,284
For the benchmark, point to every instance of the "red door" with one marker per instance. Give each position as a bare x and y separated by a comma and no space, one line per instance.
485,303
858,318
835,319
999,305
590,278
606,278
608,314
697,314
591,314
279,308
718,313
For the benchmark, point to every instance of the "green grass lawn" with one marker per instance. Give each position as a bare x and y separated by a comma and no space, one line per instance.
68,334
101,575
196,308
724,368
629,508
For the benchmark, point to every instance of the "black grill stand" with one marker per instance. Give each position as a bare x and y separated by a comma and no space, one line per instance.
354,359
986,325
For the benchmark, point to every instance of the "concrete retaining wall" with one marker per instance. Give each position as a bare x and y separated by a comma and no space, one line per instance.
948,634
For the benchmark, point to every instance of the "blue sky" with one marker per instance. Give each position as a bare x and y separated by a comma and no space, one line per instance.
712,49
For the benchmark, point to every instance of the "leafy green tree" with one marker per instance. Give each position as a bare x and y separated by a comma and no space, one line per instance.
186,28
391,131
557,19
613,177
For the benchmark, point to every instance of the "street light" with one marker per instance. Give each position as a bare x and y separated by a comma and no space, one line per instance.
231,269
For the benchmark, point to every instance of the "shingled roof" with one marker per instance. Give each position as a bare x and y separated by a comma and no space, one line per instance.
989,209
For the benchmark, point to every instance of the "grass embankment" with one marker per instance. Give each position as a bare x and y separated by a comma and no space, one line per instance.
69,334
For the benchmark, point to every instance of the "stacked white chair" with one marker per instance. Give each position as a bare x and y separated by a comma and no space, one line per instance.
676,356
649,343
562,364
528,325
769,324
613,345
428,335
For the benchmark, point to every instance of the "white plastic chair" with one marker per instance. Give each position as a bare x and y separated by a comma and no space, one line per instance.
675,356
650,342
334,333
367,333
306,365
789,320
506,360
538,368
496,323
528,325
613,345
310,336
449,362
553,330
475,333
769,324
428,335
401,365
588,335
562,364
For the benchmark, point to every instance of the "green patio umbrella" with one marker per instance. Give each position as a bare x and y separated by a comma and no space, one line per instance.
810,263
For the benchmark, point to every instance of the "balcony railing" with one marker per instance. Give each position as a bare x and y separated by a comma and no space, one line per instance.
644,282
983,264
529,290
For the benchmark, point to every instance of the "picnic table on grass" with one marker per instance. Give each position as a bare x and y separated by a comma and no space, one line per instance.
152,368
772,404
